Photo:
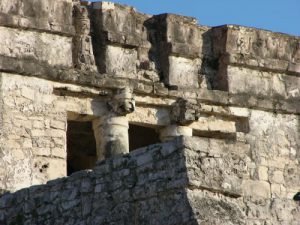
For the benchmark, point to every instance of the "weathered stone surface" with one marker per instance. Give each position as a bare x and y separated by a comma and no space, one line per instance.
154,187
231,93
120,61
256,44
179,35
43,48
178,50
48,15
184,112
118,23
256,50
224,210
182,72
83,55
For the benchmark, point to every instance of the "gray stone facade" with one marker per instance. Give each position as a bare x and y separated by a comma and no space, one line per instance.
111,116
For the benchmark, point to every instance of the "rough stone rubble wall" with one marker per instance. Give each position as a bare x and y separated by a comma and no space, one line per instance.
158,184
243,82
185,181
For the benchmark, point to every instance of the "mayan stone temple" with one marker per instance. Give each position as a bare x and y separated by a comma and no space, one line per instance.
109,116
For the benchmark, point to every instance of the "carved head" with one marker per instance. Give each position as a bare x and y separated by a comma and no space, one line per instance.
82,21
184,112
122,102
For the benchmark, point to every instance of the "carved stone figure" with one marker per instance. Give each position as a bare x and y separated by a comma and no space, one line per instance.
84,56
123,102
184,112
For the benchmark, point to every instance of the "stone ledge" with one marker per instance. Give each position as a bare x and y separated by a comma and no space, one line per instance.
272,65
179,35
46,15
103,81
47,48
256,48
31,23
118,24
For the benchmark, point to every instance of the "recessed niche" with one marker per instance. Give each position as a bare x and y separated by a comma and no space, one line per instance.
140,136
81,146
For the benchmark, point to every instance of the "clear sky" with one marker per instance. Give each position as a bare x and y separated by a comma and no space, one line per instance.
276,15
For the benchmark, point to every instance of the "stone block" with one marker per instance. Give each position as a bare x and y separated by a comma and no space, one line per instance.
37,133
240,81
292,84
256,189
119,36
42,152
120,62
27,143
56,133
255,49
21,172
278,85
115,23
291,175
27,93
214,169
58,124
49,49
263,173
177,47
278,191
214,210
276,177
47,15
183,72
38,124
179,35
18,154
48,169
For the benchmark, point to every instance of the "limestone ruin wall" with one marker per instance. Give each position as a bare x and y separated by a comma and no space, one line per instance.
111,116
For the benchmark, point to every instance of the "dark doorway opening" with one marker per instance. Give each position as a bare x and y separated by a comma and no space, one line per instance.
81,146
140,136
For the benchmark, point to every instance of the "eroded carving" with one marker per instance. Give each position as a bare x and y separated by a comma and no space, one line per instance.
184,112
122,102
83,51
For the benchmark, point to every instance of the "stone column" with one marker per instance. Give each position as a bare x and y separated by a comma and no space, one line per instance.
111,135
182,114
111,131
170,132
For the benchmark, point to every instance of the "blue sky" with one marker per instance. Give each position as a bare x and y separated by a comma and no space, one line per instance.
276,15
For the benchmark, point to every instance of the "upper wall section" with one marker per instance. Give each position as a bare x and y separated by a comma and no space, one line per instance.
107,45
258,48
35,46
164,47
35,34
255,49
47,15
